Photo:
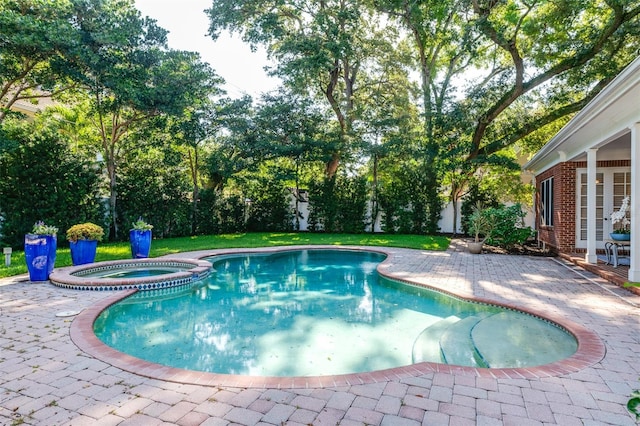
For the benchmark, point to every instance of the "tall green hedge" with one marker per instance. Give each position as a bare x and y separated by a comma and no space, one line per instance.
41,179
338,204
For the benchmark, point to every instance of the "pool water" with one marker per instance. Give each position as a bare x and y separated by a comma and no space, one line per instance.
320,312
132,272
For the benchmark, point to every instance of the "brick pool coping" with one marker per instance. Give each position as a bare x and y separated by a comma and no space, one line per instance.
590,349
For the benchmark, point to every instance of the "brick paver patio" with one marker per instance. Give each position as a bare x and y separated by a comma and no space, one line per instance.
45,379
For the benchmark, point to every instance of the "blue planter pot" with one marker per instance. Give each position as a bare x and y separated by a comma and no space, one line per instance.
40,255
620,237
83,251
140,243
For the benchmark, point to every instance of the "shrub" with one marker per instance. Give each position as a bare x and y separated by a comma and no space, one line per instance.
219,214
508,227
476,196
85,231
633,405
152,184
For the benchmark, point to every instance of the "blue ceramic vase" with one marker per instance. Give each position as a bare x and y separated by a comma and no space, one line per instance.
83,251
40,255
140,243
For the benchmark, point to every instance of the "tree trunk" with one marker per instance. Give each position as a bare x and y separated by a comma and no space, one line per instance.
454,205
193,164
374,194
113,194
297,195
332,166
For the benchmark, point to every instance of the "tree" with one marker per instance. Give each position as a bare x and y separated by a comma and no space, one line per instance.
322,49
232,151
279,126
35,36
390,123
199,126
523,65
444,46
131,77
551,57
293,130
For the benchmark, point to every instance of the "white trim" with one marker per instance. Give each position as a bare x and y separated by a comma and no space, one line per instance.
590,255
634,266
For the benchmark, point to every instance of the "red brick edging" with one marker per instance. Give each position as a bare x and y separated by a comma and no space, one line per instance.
590,351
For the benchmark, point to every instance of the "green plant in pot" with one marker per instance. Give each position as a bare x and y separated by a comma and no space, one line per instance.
480,225
83,241
140,239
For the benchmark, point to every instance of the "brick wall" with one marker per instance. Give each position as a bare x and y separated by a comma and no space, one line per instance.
561,237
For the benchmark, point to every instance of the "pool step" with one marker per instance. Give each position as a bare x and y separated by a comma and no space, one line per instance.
544,342
458,347
426,347
472,341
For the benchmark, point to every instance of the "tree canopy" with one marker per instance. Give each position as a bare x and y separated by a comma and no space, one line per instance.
35,38
391,107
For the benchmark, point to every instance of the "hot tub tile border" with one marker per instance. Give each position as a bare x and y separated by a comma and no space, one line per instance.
74,278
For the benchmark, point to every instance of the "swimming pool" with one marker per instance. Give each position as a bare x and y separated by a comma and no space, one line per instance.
320,312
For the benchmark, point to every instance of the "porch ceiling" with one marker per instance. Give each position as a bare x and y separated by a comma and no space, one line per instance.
617,149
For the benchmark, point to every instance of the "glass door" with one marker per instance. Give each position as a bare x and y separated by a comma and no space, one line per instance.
621,189
612,185
582,200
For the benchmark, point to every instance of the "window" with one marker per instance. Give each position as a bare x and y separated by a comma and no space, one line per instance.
546,202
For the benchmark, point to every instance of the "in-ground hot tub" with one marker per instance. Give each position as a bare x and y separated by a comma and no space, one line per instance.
140,274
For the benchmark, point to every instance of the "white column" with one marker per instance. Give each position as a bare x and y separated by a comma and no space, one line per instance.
634,269
591,256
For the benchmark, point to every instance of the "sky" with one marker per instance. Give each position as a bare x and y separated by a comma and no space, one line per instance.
228,56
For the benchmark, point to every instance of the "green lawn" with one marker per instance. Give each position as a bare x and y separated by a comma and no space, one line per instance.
114,251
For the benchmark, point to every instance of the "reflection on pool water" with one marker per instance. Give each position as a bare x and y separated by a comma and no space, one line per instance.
320,312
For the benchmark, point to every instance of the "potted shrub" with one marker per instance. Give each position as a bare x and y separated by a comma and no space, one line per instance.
83,240
40,251
140,239
480,225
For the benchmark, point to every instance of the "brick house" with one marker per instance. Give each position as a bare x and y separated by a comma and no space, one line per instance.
584,172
